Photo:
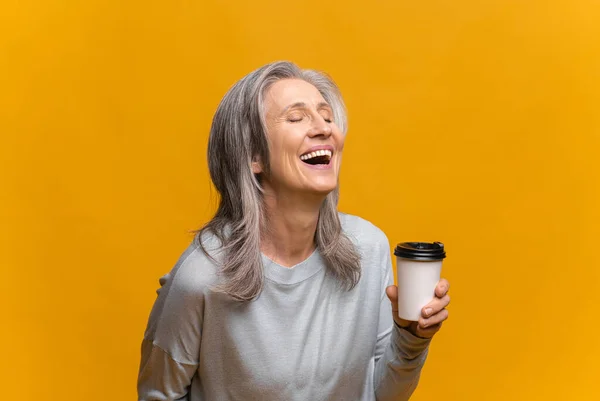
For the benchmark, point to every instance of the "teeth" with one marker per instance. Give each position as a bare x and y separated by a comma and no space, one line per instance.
316,153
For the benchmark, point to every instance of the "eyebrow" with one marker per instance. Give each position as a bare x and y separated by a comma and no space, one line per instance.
302,105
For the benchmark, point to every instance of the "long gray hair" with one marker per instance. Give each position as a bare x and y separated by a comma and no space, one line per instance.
237,136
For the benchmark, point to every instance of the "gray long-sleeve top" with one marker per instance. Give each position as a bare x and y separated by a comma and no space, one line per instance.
304,338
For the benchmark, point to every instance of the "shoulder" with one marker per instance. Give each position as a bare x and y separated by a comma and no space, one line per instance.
373,247
365,235
195,271
370,240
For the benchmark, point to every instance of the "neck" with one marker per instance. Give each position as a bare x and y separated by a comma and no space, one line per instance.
291,222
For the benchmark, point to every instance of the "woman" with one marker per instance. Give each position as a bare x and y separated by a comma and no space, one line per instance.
280,297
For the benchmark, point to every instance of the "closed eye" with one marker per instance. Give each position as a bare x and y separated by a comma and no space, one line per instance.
327,118
326,113
294,118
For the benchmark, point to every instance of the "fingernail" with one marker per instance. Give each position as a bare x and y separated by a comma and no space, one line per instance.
428,311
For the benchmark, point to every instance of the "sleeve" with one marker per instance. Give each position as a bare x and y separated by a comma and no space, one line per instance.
399,355
171,344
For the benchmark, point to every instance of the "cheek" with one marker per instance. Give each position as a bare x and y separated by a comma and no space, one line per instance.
284,140
285,150
283,159
340,139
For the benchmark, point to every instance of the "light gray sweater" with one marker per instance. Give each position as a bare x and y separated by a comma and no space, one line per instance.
302,339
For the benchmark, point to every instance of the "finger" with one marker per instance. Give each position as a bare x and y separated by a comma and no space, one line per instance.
429,331
435,306
392,294
434,320
442,288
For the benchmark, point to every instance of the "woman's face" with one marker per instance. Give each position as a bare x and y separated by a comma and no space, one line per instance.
305,143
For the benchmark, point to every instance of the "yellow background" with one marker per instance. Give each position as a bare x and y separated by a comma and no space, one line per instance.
475,123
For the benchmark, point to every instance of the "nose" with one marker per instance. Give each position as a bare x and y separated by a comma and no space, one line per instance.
320,128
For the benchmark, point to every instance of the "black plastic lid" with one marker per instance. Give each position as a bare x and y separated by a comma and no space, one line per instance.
420,250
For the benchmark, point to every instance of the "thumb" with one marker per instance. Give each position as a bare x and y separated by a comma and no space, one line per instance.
392,294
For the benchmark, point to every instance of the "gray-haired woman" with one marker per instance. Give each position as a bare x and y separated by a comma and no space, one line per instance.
280,296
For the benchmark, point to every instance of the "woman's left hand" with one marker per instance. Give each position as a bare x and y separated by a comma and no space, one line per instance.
432,315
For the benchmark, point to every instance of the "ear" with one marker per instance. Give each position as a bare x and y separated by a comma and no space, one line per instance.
257,167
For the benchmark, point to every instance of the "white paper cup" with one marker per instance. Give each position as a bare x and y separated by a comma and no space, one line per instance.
419,266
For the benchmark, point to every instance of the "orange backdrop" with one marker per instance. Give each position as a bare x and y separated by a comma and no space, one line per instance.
473,123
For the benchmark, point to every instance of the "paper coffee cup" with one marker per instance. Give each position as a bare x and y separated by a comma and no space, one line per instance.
419,265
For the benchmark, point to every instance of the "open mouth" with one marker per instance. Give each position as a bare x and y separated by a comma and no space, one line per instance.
317,157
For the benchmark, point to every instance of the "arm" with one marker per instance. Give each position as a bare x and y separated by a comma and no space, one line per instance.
399,355
161,377
171,342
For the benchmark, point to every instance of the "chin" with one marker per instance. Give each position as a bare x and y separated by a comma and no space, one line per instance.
323,189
